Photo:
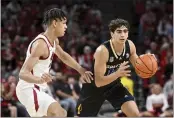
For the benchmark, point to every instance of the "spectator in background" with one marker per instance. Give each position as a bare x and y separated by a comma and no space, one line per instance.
55,69
9,89
153,47
87,58
147,20
11,98
169,64
168,90
9,59
65,91
6,96
82,43
75,56
5,40
156,103
78,86
13,6
164,27
71,82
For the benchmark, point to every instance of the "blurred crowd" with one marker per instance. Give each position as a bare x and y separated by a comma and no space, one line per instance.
21,21
155,30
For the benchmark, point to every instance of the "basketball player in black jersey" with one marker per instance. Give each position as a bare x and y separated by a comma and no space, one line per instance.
110,63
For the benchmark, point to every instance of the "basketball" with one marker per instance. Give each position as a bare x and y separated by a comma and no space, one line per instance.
146,66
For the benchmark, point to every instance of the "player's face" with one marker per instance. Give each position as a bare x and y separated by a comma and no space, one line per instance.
60,27
120,34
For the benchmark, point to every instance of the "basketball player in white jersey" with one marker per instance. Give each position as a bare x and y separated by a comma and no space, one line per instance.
34,73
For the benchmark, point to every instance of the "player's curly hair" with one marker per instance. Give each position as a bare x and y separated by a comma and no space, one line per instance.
114,24
53,14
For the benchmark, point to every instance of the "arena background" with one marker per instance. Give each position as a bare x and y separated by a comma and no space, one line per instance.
151,31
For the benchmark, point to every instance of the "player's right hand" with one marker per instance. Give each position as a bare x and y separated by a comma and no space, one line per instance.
45,78
123,69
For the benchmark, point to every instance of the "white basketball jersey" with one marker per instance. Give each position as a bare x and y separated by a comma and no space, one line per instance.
42,66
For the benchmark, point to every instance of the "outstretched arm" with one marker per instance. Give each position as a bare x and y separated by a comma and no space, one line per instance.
68,60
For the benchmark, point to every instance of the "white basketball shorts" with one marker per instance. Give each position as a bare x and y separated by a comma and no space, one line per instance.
35,100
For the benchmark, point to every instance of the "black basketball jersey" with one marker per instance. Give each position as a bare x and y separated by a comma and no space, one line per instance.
114,59
112,64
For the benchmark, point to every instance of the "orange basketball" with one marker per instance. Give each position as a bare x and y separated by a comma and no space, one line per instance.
146,66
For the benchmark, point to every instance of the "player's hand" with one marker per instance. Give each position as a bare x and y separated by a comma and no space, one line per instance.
123,69
45,78
86,77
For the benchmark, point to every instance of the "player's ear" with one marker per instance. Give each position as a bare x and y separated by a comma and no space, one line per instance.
54,23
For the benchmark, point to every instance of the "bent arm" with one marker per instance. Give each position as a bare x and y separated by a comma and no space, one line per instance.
149,106
101,56
36,53
133,52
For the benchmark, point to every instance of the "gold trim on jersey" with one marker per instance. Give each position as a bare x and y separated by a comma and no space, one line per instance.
124,50
112,47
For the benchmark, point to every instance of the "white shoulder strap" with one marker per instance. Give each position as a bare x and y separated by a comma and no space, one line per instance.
40,36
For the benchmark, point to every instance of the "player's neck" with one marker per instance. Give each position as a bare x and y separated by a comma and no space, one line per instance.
50,35
118,47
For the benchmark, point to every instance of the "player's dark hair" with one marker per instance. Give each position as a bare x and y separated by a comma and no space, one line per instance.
53,14
114,24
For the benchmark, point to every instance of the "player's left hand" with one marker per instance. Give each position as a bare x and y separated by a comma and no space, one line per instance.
86,77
